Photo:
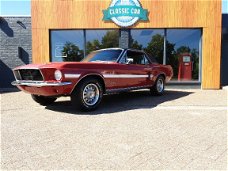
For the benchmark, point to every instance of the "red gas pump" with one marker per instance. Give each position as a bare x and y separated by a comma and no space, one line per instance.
185,67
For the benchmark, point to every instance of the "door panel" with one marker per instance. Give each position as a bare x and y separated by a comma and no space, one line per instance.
132,75
135,70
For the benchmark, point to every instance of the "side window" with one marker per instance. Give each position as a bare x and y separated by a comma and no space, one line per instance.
138,58
132,57
142,59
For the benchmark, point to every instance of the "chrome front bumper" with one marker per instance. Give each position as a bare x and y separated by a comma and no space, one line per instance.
39,83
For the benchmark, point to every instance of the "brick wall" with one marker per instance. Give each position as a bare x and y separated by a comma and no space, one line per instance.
15,46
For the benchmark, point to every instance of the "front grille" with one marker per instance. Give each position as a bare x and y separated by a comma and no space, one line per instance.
28,74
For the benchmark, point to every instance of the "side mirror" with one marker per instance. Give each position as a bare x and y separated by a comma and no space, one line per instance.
129,61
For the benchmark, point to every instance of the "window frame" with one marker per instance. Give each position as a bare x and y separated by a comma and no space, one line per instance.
199,80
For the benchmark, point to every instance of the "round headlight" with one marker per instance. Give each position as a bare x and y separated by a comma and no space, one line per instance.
58,75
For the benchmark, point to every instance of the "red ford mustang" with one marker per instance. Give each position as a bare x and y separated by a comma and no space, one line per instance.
101,72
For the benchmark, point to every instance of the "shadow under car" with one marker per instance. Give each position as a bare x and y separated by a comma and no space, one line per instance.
121,102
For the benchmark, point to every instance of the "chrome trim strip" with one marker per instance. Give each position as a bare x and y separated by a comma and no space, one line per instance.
15,74
26,68
20,74
72,75
41,74
126,89
120,56
39,83
124,76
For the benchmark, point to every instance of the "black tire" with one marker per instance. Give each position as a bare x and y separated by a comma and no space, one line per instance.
87,95
159,86
42,100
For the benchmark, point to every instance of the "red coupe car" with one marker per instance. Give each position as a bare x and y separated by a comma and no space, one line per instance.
101,72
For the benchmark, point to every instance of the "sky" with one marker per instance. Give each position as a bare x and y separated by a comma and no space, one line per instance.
225,6
23,7
15,7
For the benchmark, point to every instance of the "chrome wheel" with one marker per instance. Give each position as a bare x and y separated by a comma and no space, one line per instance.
87,95
160,85
91,94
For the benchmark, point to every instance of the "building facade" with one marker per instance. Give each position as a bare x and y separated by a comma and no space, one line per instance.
173,28
174,32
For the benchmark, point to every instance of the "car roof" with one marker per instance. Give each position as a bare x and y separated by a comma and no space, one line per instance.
137,50
109,49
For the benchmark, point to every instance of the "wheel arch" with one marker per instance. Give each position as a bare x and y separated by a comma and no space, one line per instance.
161,74
87,76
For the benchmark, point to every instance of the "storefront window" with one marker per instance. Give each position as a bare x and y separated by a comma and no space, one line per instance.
149,40
182,53
67,45
73,45
182,50
100,39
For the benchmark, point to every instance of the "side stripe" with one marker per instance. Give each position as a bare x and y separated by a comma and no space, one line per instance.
124,76
72,75
111,76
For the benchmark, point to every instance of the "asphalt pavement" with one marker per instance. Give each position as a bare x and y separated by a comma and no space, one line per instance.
184,129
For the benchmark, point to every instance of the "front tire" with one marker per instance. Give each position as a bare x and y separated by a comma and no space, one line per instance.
159,86
42,100
87,95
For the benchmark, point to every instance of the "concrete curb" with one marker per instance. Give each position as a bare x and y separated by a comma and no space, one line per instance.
225,88
2,90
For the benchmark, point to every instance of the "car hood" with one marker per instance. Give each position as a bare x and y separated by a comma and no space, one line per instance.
60,65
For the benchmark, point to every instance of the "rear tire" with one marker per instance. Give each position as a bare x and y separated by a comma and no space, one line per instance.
159,86
42,100
87,95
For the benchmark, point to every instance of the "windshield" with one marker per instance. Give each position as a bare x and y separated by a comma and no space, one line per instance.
103,56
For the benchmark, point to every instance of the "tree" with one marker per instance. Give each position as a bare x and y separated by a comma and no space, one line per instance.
156,48
94,45
195,60
135,45
110,39
72,52
183,49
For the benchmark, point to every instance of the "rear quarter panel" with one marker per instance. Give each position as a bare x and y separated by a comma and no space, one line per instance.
166,70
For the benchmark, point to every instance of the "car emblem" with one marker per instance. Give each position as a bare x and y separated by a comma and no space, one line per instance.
125,13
